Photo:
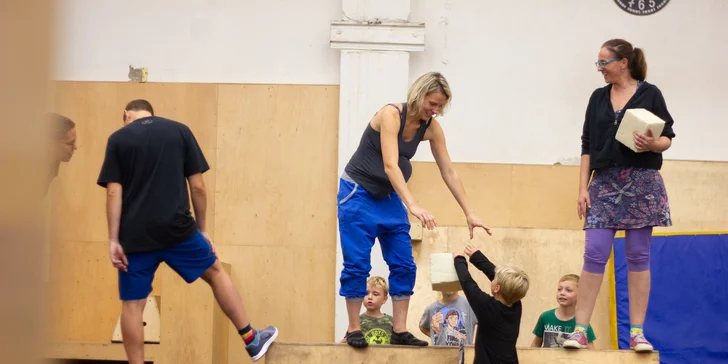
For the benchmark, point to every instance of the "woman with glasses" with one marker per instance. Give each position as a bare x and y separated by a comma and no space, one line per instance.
626,190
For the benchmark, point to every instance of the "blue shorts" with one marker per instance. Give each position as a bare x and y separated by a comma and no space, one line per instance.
190,259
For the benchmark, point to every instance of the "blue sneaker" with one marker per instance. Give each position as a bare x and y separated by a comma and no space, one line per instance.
259,346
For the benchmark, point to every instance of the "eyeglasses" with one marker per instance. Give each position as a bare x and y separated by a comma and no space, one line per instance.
605,63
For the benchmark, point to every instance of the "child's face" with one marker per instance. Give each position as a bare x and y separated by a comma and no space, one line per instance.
375,298
566,293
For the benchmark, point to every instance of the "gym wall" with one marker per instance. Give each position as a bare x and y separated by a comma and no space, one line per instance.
270,204
258,88
521,73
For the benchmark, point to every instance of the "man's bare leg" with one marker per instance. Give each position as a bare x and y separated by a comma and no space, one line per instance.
256,342
132,330
226,295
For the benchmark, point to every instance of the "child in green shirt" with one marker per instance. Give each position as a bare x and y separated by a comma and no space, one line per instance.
375,325
554,326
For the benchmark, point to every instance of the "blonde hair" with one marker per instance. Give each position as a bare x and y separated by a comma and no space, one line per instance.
513,283
571,278
426,84
375,281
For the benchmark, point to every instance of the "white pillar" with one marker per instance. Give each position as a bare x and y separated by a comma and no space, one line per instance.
375,40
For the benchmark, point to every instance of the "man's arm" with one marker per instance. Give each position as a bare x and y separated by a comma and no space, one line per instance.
537,342
113,219
198,192
113,210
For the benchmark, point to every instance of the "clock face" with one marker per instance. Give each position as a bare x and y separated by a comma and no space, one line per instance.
641,7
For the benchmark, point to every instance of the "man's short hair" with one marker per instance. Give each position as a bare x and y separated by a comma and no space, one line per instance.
139,105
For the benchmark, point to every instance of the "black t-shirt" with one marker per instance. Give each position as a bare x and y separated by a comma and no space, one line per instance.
151,158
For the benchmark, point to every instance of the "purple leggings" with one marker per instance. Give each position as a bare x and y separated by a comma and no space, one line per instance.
599,246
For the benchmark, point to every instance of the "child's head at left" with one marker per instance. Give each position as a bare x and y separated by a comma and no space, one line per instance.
566,291
510,283
377,293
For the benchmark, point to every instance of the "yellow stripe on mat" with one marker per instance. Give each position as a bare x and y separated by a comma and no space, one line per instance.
620,233
613,335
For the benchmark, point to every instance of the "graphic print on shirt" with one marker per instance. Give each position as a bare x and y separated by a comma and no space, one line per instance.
555,335
448,322
377,331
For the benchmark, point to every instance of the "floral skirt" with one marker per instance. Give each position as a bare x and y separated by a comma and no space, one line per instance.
627,198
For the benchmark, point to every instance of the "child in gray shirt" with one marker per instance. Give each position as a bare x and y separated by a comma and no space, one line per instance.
449,321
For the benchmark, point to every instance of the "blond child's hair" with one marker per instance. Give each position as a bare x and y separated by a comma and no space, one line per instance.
377,281
514,283
424,85
570,278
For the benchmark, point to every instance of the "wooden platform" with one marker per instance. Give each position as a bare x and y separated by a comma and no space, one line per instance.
290,353
294,353
95,351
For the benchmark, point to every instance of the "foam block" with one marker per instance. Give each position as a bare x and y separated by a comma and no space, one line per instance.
442,273
638,120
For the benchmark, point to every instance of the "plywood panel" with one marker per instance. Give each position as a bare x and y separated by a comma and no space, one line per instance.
698,199
191,320
433,241
563,356
341,353
85,303
487,187
91,351
97,109
545,255
276,182
544,197
84,292
289,287
290,353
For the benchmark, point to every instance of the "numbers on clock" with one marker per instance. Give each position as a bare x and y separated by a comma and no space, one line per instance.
641,7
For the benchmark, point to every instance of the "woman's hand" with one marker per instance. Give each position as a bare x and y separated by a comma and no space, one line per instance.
644,142
424,216
582,203
473,222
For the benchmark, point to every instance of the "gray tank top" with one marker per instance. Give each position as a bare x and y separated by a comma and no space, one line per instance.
366,166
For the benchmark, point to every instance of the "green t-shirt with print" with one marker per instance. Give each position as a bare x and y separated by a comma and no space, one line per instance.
376,330
554,331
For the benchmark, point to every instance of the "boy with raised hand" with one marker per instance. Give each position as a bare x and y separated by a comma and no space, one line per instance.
499,314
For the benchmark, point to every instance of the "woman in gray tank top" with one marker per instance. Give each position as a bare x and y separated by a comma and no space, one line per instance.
373,201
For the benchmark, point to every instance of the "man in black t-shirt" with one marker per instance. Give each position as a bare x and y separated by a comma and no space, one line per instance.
147,167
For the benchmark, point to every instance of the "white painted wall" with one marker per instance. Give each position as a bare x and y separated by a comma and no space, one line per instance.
521,73
219,41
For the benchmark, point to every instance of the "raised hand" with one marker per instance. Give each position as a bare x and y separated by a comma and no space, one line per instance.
470,249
